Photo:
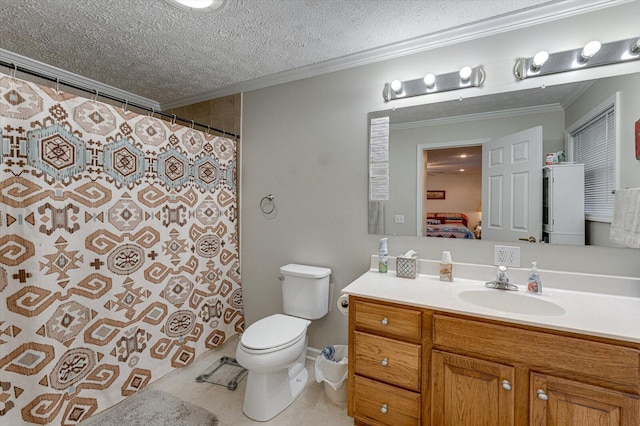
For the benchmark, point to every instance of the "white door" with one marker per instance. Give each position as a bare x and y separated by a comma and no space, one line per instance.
512,186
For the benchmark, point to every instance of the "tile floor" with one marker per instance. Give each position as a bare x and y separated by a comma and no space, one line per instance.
312,408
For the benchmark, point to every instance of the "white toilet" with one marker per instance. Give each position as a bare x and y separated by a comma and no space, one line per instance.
274,348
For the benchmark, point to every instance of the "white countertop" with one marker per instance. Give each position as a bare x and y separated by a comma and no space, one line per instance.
596,314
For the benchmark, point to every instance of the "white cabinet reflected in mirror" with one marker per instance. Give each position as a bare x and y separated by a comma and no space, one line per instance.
446,161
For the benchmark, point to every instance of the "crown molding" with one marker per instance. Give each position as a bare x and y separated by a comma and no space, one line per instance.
497,25
509,113
76,79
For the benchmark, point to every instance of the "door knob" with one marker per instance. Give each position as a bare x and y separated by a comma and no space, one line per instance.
384,362
384,321
506,385
542,395
384,409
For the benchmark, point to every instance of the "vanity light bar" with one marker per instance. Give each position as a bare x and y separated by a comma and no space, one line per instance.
593,54
465,77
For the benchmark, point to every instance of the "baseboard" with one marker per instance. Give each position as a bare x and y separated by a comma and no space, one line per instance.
312,353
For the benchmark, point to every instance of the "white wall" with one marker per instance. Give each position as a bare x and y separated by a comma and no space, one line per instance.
306,143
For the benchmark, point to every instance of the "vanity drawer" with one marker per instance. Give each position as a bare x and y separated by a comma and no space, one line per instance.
388,360
404,323
600,361
385,404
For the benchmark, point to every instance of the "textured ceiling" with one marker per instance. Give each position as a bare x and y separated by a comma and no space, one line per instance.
155,50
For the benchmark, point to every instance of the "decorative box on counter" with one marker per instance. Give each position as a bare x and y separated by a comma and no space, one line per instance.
406,267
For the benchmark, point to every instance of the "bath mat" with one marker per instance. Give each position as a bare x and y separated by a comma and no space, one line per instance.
225,372
152,407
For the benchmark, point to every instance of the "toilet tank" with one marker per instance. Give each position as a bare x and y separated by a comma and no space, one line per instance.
305,290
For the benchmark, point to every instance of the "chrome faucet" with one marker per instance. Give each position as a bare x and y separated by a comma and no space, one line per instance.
502,281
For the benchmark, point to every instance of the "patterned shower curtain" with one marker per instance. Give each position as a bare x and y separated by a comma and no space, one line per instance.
118,252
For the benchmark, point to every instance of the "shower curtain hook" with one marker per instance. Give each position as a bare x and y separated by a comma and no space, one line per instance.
57,85
95,98
209,130
173,120
153,111
192,124
126,104
15,70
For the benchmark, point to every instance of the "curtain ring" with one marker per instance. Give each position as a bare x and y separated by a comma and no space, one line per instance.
153,111
173,120
192,124
57,85
15,70
126,104
95,97
265,201
209,130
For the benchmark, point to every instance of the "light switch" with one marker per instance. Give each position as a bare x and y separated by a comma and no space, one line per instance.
399,218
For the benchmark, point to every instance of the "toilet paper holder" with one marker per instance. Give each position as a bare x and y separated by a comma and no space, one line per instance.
343,304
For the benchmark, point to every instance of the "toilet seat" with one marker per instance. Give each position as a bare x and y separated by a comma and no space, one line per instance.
273,333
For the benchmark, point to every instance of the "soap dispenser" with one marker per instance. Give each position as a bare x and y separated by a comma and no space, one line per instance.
534,284
383,255
446,267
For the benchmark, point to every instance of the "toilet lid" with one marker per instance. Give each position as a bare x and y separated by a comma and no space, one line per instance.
273,331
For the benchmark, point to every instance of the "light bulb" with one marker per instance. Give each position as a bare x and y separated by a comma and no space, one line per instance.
196,4
396,86
539,59
465,73
590,49
203,6
429,80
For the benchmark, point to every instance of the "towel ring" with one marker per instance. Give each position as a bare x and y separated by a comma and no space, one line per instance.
264,203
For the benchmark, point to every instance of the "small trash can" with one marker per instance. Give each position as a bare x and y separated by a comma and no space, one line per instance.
331,368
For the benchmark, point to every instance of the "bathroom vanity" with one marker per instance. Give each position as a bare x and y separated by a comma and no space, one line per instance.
425,352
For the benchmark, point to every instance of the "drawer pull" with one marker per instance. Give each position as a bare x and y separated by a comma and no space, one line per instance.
384,409
542,395
384,362
384,321
506,385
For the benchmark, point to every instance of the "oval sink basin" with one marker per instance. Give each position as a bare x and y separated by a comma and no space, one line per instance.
509,301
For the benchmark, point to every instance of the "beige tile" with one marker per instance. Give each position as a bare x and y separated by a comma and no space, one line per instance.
311,408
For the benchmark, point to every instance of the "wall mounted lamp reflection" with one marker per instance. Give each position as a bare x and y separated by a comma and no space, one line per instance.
430,83
593,54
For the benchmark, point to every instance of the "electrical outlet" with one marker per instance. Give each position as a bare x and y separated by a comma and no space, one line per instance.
506,255
399,218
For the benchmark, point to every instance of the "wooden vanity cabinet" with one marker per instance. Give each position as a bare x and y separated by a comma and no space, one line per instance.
387,357
412,366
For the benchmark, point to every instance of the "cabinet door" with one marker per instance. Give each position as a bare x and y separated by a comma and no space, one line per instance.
562,402
471,392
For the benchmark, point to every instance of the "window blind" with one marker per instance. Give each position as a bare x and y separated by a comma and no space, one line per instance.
594,145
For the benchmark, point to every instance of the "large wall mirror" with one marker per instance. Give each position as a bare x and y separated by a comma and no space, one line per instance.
438,154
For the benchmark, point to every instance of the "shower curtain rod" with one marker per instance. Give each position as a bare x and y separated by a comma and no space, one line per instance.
15,67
